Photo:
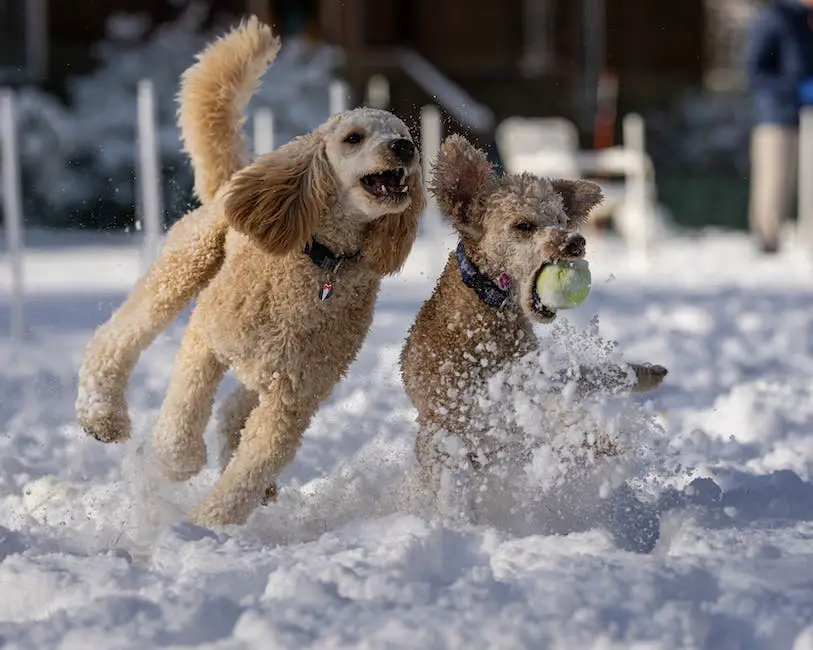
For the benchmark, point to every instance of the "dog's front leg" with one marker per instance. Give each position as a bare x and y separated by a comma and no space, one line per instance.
268,443
648,376
190,257
638,378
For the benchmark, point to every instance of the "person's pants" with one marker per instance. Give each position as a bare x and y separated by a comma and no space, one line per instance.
774,155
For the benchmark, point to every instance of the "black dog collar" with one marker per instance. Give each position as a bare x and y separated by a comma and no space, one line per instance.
325,258
488,291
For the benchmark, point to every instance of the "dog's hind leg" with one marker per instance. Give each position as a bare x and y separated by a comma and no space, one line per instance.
434,464
232,416
269,441
190,258
179,445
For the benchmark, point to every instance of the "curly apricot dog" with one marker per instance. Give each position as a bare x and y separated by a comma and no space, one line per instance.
480,316
287,253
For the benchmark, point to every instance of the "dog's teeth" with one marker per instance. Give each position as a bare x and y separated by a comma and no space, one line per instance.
404,189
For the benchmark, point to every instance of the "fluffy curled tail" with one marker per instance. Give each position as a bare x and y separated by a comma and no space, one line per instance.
214,92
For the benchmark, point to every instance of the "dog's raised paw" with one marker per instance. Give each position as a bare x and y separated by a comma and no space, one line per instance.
107,428
649,376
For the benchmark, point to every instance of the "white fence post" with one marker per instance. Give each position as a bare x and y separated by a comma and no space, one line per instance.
13,211
378,91
637,192
805,178
431,137
263,131
149,171
339,96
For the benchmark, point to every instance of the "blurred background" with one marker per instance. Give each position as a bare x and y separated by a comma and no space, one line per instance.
587,63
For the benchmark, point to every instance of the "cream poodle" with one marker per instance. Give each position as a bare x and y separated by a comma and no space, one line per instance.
286,256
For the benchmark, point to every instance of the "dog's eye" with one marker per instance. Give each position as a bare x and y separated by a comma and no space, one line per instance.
524,226
353,138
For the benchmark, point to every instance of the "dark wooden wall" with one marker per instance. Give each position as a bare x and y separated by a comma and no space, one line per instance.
657,48
461,36
663,38
74,26
83,21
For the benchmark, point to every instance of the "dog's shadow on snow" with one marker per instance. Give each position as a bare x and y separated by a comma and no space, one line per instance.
781,498
776,500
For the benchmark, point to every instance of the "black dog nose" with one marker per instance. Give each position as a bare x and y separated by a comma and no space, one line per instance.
403,149
575,246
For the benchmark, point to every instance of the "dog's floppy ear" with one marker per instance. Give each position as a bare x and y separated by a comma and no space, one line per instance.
579,198
388,240
279,200
459,174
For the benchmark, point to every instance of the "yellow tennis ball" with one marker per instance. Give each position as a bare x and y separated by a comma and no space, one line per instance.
564,284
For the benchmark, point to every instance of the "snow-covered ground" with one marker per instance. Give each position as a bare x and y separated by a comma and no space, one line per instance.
95,553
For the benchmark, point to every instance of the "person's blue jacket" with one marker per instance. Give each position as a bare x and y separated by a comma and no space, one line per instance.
779,60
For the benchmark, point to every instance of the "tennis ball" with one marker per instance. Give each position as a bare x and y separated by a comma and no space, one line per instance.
564,284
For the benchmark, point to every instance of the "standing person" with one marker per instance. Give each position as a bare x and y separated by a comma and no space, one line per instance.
779,64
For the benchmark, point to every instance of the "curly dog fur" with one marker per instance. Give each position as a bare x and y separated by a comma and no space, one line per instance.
509,224
213,94
353,186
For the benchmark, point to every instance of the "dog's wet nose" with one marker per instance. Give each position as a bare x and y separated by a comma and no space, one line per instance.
575,246
403,149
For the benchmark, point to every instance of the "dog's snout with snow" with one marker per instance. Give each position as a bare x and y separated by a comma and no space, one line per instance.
564,244
574,246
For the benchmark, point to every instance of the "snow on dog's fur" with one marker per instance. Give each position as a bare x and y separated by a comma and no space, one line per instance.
478,322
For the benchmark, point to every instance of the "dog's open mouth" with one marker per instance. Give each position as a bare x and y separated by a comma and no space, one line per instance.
544,311
389,184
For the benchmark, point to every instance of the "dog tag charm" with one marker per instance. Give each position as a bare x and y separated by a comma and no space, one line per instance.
326,292
504,281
